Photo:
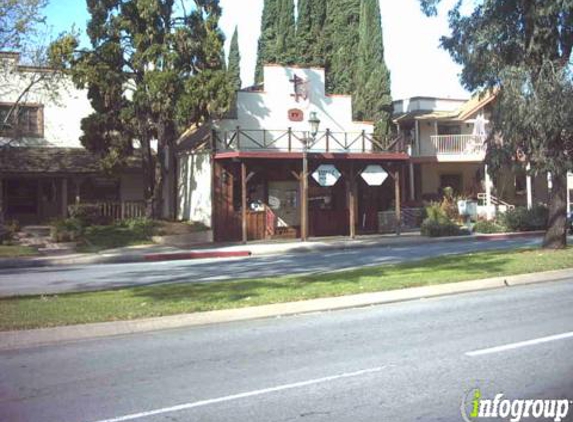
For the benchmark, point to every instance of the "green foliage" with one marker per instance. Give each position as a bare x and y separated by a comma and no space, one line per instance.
8,230
87,214
234,66
152,70
66,230
267,40
485,226
311,42
119,234
19,23
372,99
341,33
522,219
433,228
439,222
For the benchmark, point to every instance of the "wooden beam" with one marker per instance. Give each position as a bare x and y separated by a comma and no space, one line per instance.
350,186
296,175
244,200
64,197
250,176
397,200
304,200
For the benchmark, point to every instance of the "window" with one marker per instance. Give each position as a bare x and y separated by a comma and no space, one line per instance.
25,120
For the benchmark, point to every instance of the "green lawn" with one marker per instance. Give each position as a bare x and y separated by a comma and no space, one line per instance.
16,251
169,299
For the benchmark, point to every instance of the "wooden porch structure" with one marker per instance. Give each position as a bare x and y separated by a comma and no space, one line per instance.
262,189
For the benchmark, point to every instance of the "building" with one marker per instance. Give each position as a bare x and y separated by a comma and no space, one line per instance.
43,166
290,162
448,150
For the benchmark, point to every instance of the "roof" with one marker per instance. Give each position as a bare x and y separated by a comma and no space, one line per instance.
470,107
45,160
194,138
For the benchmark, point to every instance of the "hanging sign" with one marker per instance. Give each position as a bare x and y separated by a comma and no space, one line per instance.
374,175
326,175
295,115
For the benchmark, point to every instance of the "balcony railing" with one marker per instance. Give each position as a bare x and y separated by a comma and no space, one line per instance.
455,145
295,141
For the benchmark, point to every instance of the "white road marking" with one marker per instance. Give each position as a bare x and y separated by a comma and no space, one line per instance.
202,403
520,344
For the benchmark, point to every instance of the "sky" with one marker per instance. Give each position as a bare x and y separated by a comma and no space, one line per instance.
411,40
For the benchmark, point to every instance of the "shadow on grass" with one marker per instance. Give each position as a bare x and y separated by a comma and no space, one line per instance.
280,289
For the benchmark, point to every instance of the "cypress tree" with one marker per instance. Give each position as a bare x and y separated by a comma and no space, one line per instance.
341,33
309,32
286,33
267,40
234,67
372,97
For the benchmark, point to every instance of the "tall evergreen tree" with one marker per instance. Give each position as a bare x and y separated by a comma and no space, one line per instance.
341,32
286,33
372,98
171,62
234,66
267,39
309,32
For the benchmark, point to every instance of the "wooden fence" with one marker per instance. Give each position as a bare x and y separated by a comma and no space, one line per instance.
116,210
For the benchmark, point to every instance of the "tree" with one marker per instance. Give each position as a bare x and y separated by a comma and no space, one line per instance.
522,49
309,32
286,34
341,33
372,99
267,39
20,21
152,70
234,66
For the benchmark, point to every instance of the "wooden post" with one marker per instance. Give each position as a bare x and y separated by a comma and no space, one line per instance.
238,137
350,185
77,185
363,141
327,140
2,205
65,198
304,199
397,201
289,139
244,200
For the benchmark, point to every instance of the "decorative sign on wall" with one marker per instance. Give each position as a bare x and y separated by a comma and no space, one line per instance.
374,175
300,88
326,175
295,115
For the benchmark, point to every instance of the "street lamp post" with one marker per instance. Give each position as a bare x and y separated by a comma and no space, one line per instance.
314,123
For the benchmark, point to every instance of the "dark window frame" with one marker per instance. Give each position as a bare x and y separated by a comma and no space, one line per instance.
31,130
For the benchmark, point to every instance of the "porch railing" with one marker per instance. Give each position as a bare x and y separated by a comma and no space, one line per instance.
117,210
455,145
289,140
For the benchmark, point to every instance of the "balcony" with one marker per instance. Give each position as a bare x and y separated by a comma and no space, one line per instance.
262,140
453,147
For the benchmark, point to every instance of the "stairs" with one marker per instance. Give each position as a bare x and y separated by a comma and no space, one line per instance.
39,237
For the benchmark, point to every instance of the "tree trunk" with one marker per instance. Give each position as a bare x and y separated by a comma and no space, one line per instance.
148,167
556,234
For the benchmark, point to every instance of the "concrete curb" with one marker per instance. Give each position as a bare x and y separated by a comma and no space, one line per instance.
253,250
10,340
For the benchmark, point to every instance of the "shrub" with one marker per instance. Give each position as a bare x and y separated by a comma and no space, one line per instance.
434,228
8,230
522,219
66,230
484,226
88,214
435,212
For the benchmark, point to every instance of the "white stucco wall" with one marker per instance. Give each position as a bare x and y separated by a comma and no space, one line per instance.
269,110
409,105
194,188
63,107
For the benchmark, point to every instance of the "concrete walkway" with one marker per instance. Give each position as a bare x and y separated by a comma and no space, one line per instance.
150,253
46,336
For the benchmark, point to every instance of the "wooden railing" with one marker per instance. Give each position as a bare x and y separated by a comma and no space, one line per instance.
117,210
495,201
296,141
458,144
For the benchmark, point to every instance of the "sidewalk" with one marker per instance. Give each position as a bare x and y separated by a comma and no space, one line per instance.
11,340
148,253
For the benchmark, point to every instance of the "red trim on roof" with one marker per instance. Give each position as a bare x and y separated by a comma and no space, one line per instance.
385,156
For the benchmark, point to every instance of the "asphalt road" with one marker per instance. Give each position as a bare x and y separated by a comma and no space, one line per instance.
401,362
61,279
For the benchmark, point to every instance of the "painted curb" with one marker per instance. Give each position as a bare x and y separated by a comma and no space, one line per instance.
11,340
195,255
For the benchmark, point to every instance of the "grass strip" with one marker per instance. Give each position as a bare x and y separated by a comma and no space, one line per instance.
16,251
169,299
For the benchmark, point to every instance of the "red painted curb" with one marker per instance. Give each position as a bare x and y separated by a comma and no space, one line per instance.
195,255
506,236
